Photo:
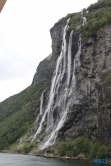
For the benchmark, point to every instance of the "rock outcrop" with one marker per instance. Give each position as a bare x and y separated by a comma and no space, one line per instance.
89,103
92,117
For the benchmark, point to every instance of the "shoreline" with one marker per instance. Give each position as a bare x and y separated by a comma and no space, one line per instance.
64,158
71,158
82,159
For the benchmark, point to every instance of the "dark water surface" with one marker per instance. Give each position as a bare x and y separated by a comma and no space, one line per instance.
25,160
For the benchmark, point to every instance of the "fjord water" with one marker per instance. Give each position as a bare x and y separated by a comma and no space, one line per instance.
25,160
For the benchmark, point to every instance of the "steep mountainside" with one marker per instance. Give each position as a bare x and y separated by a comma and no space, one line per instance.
70,95
18,112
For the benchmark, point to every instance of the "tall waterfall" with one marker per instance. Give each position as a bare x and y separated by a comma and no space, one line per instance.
40,113
84,20
69,59
62,89
41,103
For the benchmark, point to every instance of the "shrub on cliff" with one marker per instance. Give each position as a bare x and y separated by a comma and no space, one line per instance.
62,149
26,148
73,148
75,151
99,4
98,151
95,21
82,145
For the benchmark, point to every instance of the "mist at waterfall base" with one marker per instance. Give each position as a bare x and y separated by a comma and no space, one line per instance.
63,89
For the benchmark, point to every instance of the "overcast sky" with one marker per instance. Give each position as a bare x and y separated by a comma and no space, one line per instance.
25,38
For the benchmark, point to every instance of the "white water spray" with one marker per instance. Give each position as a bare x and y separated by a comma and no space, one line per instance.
66,94
41,103
69,59
61,92
53,87
84,20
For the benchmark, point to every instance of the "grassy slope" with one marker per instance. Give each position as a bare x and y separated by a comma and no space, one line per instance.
17,113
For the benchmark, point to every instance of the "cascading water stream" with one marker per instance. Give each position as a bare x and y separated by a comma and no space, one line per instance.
77,57
84,20
69,59
63,87
41,103
60,71
67,93
40,113
53,87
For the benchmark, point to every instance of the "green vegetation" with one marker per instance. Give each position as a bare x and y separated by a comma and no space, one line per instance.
18,121
95,21
98,16
83,146
26,148
17,113
106,78
64,18
99,4
98,151
75,22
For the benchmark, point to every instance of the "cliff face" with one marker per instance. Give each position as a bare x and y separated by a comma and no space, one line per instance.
43,70
79,99
70,94
92,116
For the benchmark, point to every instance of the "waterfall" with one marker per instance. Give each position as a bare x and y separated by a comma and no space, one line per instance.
62,90
41,103
69,59
77,57
76,68
60,71
66,93
40,113
84,20
54,83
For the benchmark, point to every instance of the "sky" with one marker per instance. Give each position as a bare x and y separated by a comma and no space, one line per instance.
25,38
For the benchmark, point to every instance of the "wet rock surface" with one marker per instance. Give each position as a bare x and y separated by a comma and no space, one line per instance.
90,113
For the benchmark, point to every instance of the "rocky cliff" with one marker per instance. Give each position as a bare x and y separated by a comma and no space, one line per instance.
70,95
79,99
92,116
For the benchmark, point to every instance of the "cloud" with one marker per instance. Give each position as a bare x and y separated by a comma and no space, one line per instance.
12,86
25,38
